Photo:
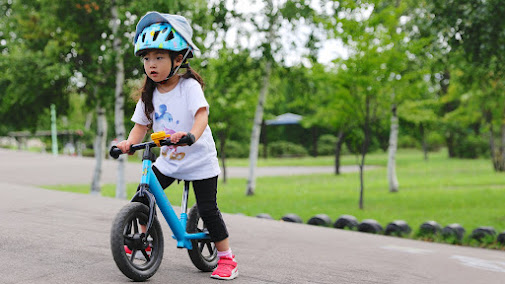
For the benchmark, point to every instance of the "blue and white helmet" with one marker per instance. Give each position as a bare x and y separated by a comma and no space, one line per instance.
163,31
160,36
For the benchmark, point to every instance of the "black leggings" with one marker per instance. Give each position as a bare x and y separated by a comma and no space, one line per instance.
205,193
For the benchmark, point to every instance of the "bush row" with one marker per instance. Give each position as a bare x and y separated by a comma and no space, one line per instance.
467,146
326,147
278,149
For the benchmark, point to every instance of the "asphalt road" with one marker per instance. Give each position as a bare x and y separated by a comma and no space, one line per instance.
57,237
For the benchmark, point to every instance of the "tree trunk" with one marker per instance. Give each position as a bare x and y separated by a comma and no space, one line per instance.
364,149
446,108
222,138
314,141
424,143
255,136
492,147
393,147
501,156
264,138
99,148
119,104
338,150
89,121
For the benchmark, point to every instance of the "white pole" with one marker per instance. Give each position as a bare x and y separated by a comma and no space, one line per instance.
54,134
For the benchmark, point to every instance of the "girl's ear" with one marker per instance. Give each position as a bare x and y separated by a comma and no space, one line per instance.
178,59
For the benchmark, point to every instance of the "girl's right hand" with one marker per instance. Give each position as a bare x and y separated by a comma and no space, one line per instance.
124,146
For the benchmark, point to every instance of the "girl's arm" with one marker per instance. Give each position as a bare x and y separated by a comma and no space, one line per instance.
201,121
136,136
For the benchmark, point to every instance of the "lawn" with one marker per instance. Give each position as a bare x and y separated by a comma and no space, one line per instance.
447,191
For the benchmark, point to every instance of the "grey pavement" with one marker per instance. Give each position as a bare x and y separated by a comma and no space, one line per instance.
59,237
46,169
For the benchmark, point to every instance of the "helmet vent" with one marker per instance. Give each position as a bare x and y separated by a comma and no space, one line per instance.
156,33
144,37
170,36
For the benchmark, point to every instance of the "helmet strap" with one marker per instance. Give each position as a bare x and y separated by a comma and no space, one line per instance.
174,70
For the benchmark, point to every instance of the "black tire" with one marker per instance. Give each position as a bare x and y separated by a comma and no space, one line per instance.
126,231
346,221
204,252
293,218
320,220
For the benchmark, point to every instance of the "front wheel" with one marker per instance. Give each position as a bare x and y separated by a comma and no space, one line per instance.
136,254
204,251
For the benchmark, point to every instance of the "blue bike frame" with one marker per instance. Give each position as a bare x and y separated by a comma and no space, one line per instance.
149,185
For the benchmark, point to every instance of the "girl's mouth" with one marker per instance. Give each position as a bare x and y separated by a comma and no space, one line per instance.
154,72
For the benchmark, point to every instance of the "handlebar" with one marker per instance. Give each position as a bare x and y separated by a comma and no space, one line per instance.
115,152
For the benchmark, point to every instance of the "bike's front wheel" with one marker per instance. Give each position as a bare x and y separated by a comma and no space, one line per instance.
136,254
204,252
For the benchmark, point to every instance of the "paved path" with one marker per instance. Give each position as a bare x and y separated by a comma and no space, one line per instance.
58,237
45,169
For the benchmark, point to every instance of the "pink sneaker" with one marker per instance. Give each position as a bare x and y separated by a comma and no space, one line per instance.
226,269
129,251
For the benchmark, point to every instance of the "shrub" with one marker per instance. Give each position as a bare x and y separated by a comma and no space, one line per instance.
326,145
407,141
235,149
435,141
471,147
287,149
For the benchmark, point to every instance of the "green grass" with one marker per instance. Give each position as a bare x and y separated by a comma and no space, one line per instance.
462,191
374,159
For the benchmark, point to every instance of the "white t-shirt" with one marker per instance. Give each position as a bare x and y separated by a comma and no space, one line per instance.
173,112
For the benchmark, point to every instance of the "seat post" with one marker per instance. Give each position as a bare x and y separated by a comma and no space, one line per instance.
185,194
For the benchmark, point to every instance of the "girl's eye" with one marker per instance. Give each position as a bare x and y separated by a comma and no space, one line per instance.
159,57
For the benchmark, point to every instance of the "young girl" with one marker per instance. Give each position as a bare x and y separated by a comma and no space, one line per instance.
176,104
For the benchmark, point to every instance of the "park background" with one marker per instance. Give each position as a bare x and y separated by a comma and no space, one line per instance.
414,87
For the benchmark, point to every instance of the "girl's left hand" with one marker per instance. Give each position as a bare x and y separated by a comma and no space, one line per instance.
174,138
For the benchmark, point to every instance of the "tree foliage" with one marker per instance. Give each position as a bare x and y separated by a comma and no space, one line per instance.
438,63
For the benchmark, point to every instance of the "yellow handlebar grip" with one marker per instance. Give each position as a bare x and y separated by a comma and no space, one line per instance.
157,136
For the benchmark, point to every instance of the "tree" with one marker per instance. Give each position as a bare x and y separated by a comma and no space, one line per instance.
119,99
231,84
469,30
366,100
272,20
270,27
332,106
30,79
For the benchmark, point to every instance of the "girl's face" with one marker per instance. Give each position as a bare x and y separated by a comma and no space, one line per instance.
157,64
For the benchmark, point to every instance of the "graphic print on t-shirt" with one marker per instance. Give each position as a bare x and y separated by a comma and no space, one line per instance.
165,119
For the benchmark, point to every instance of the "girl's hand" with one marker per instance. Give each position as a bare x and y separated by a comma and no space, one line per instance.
124,146
174,138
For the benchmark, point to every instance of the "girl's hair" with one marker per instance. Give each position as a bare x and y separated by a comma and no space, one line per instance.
146,91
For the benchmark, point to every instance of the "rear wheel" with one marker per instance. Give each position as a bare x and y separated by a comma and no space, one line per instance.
204,251
138,256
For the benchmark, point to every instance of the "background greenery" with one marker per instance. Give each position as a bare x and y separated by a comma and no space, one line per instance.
463,191
443,72
436,65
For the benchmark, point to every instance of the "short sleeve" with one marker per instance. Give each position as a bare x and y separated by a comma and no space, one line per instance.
139,115
196,98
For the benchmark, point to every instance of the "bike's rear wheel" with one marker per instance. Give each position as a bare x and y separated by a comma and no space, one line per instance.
204,252
146,251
